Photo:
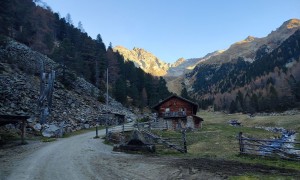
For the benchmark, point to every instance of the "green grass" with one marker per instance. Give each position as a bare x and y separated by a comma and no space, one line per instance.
259,177
287,122
217,139
9,137
214,140
46,139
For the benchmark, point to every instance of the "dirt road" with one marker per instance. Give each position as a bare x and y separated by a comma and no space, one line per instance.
82,157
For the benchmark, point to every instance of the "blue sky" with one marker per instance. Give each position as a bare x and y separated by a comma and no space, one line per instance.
171,29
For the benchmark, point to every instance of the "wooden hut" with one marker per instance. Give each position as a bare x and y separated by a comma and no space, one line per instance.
178,113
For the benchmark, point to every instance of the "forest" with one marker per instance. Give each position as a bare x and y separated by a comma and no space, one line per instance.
270,83
57,37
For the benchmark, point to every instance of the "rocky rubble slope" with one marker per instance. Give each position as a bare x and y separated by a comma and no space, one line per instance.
73,109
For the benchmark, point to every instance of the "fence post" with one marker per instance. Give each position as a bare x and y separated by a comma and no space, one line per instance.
106,131
184,140
123,128
241,144
23,132
149,126
166,124
96,132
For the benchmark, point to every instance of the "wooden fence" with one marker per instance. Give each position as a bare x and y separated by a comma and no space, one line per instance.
270,148
116,134
178,144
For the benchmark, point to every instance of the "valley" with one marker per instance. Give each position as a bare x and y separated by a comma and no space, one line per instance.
247,77
232,113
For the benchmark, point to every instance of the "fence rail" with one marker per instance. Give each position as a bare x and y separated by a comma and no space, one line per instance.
178,144
146,128
120,128
271,148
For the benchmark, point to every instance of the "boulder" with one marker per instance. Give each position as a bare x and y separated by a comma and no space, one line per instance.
86,126
37,127
51,131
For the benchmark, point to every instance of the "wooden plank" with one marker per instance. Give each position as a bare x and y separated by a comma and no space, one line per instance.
23,132
264,140
262,147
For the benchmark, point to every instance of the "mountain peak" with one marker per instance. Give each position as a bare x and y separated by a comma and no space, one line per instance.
144,59
290,24
178,62
250,38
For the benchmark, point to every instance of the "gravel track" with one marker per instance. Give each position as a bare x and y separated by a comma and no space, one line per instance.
83,157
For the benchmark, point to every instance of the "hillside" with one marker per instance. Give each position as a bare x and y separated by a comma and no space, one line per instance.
70,47
247,48
72,108
269,83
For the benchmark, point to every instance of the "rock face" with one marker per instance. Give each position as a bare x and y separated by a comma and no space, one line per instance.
182,66
145,60
72,109
151,64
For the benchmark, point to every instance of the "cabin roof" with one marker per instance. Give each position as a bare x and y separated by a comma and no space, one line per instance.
7,119
198,117
195,106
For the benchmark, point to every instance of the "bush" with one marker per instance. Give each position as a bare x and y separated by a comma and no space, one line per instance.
3,41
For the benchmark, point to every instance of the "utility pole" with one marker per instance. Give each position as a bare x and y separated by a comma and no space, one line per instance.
106,102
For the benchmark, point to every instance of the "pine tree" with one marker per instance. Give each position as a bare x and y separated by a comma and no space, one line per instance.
144,98
232,108
69,19
6,17
163,92
120,90
184,93
80,27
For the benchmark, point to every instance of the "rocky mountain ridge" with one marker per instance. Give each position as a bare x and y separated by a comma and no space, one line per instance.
153,65
73,108
183,66
271,82
247,48
144,59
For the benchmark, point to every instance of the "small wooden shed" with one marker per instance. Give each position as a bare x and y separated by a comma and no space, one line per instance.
178,112
14,119
111,118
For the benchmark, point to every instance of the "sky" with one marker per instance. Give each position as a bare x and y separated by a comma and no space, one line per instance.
171,29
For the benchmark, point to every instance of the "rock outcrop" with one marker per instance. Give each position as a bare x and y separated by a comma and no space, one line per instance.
144,59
